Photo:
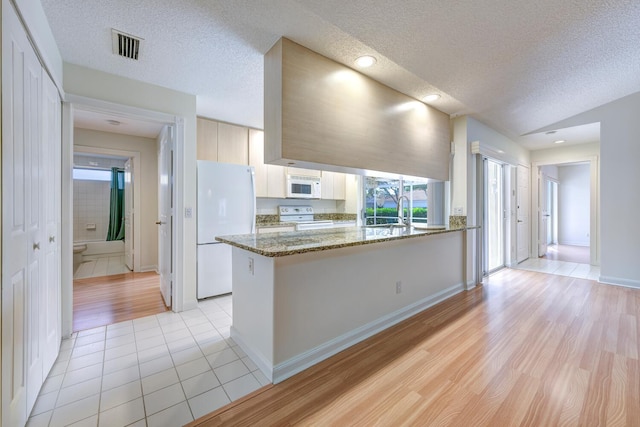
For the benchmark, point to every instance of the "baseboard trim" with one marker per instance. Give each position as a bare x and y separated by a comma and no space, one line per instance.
299,363
147,268
261,362
189,305
575,243
618,281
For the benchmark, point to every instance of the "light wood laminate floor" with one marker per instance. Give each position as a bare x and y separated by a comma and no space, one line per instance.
99,301
569,253
526,348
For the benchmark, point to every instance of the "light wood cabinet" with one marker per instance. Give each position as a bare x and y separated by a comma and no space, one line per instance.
256,159
303,172
327,185
282,229
270,179
333,185
233,144
276,181
222,142
207,139
339,186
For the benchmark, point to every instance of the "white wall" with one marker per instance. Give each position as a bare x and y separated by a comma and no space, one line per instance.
573,204
94,84
148,175
619,178
464,175
550,171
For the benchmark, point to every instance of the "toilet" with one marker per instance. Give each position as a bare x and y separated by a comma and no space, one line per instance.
78,249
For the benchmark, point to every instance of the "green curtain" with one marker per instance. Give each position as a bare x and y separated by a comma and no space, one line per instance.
116,210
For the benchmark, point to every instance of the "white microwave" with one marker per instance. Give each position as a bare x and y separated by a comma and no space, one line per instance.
303,187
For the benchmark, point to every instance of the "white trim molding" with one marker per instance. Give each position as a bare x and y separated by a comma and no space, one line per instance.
297,364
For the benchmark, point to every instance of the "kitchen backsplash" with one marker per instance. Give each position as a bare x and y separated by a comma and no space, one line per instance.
266,206
272,219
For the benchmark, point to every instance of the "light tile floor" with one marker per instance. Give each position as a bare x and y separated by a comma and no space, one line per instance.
562,268
103,266
162,370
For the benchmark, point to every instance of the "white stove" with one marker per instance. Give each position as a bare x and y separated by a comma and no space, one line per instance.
303,217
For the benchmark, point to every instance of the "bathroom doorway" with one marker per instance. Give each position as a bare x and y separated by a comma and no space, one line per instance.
99,214
115,207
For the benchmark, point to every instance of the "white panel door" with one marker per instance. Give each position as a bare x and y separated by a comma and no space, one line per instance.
52,137
543,214
165,210
129,212
21,234
522,213
35,227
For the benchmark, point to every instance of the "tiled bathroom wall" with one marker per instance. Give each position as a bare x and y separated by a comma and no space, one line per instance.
91,201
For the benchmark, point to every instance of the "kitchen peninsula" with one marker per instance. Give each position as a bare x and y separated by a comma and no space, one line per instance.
300,297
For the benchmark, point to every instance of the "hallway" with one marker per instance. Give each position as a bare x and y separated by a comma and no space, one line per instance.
100,301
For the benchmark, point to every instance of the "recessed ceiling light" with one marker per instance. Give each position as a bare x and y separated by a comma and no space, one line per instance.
113,122
432,97
365,61
560,141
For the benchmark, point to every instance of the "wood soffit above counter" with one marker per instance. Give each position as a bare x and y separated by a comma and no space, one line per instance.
319,112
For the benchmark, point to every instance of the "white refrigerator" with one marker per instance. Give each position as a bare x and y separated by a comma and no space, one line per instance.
226,205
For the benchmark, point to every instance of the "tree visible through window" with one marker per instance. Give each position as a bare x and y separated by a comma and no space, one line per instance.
382,196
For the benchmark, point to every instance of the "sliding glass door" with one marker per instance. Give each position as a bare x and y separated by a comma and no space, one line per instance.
494,216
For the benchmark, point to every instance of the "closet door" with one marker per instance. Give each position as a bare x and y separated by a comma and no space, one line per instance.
31,194
20,229
51,295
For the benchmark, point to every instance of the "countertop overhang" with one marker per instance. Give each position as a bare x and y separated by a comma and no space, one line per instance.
298,242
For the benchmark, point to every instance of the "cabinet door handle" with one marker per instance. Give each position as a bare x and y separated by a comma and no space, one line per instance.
160,222
36,246
52,239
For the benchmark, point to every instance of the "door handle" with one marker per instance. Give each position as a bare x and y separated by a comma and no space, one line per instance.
520,220
52,239
36,246
160,222
546,215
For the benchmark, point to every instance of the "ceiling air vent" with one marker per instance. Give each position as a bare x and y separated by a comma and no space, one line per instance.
125,45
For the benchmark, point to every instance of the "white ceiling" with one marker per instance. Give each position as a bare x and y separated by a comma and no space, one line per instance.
105,122
517,66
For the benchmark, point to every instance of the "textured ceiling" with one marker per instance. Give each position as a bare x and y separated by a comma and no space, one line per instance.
517,66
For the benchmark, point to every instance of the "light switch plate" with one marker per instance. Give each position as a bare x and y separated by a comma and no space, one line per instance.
188,212
457,210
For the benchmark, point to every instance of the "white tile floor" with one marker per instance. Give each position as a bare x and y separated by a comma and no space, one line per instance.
103,266
562,268
162,370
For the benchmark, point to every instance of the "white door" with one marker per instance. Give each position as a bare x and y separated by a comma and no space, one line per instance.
543,213
165,210
21,221
522,213
51,315
128,214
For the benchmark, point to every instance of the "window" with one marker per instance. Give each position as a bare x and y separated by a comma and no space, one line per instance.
91,174
381,197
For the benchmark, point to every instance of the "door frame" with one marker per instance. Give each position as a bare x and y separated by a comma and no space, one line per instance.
135,157
594,202
71,102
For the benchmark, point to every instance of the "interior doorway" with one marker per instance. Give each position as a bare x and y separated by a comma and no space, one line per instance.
564,220
127,267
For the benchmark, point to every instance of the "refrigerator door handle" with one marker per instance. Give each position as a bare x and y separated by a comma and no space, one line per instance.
253,191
